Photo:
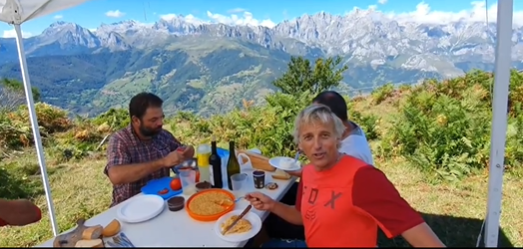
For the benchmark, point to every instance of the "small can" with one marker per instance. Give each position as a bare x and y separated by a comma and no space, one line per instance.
259,179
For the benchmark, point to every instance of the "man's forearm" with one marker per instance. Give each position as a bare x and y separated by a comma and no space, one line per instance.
288,213
19,212
422,236
122,174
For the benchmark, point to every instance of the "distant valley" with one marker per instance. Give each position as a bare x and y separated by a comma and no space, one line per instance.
209,68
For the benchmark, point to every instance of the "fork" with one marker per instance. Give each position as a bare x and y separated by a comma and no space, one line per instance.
113,244
122,241
238,199
126,239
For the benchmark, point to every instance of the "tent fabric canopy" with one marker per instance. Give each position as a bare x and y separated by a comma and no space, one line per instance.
16,12
30,9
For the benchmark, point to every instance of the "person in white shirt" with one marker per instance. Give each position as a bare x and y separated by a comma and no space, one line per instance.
354,141
354,144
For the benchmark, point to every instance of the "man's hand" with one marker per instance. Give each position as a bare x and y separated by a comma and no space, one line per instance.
260,201
172,159
19,212
296,173
188,152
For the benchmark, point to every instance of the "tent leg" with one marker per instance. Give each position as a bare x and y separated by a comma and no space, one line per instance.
499,121
34,124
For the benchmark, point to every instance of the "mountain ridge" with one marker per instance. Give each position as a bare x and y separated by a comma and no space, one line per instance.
129,56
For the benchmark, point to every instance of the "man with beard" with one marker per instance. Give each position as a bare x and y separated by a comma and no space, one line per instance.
143,151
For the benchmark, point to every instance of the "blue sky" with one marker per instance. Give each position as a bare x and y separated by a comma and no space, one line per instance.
93,13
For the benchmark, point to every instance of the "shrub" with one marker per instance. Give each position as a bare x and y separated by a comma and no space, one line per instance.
367,122
19,181
382,93
444,128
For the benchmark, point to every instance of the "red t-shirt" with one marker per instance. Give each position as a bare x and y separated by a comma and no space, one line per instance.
345,205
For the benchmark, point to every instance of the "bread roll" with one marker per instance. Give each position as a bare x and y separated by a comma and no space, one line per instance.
112,228
94,243
92,232
281,175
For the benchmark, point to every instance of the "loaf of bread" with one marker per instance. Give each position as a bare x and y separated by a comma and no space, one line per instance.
258,161
280,175
92,232
111,229
94,243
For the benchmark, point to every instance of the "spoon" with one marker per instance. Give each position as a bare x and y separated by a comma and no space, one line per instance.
297,157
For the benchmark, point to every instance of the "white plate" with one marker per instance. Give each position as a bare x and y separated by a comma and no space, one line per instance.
250,216
141,208
277,163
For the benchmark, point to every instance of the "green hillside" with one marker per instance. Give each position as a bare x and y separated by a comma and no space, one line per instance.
204,75
431,140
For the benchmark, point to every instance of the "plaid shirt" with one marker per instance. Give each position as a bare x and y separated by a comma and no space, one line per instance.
126,148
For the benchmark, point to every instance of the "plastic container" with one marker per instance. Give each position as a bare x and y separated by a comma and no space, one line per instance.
176,203
204,152
203,186
213,217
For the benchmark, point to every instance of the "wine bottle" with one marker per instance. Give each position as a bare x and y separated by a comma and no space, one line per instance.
216,163
233,167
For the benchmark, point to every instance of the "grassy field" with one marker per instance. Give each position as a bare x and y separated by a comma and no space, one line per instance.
455,211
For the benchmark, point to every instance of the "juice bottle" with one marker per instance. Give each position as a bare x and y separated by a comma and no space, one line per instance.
204,152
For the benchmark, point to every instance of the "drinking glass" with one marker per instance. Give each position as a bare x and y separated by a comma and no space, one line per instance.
238,182
246,167
188,179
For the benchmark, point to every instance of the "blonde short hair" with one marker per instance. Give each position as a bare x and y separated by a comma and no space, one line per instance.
318,113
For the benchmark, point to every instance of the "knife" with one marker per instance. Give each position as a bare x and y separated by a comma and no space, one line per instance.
245,211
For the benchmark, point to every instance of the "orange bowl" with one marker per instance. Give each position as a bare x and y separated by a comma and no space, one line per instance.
214,216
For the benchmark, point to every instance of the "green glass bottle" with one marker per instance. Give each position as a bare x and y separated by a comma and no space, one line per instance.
233,167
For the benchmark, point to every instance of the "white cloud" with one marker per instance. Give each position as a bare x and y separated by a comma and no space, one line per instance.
57,17
114,13
236,10
424,14
12,34
247,19
188,18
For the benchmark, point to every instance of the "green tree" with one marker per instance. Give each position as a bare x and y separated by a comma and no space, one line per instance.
302,76
18,87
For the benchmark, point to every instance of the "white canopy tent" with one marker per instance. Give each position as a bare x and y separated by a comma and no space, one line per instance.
498,134
16,12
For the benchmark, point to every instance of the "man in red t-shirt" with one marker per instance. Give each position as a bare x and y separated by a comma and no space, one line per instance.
18,212
343,199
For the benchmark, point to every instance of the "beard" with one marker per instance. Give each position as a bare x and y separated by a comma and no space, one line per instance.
149,132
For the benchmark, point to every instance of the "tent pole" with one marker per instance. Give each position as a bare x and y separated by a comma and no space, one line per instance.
34,124
503,65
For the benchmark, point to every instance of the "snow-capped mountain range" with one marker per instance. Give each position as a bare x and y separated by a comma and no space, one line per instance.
362,37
